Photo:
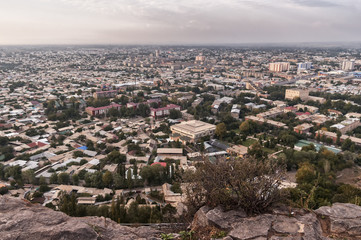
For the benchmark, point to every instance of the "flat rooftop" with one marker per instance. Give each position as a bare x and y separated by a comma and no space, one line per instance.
194,126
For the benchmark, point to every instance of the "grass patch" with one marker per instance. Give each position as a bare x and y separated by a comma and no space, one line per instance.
248,142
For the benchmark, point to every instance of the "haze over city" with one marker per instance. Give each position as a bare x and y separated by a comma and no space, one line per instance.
178,22
180,119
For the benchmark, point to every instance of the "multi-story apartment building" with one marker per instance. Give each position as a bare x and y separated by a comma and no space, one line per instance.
348,65
105,94
279,66
101,110
164,111
296,93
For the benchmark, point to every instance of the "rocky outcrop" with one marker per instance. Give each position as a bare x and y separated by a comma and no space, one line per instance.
341,221
22,220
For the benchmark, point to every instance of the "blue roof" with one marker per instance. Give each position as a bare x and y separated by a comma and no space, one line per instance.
83,148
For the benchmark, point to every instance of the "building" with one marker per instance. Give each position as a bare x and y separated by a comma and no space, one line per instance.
348,65
200,58
101,110
347,125
237,150
333,136
296,93
303,128
170,152
264,120
105,94
165,111
306,108
191,131
279,66
304,66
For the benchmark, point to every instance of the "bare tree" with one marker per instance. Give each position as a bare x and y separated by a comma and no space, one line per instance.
246,183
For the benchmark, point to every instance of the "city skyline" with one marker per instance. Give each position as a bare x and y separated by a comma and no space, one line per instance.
178,22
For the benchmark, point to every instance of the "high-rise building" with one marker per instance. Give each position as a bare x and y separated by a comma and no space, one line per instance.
279,66
348,65
304,66
200,58
157,53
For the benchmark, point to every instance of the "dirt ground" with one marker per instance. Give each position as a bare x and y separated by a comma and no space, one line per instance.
350,176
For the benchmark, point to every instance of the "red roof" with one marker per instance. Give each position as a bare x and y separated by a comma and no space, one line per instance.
163,164
36,144
168,107
106,107
302,113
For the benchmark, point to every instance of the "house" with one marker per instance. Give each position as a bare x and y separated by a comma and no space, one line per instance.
238,150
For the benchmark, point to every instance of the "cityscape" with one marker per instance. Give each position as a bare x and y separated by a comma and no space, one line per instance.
189,139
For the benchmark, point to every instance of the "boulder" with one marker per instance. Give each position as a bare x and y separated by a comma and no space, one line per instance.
252,228
342,219
22,220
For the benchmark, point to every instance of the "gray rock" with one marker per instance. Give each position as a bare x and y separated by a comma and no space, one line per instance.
343,219
222,219
21,220
251,228
200,218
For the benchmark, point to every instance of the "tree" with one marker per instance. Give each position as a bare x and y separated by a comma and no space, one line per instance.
28,176
75,179
107,179
143,110
346,145
63,178
175,114
245,127
115,157
250,184
53,178
256,150
306,173
221,130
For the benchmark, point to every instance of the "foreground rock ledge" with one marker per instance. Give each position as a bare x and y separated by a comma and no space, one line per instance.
21,220
341,221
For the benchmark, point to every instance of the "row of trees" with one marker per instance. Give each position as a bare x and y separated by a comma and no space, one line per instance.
117,211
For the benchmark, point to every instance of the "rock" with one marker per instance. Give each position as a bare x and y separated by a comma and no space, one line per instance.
21,220
222,219
251,228
282,224
200,218
342,219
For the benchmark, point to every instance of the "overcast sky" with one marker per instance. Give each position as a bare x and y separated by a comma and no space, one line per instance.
178,21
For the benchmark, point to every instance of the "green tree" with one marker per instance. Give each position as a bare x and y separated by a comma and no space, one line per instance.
53,178
306,173
75,179
63,178
28,176
221,130
107,179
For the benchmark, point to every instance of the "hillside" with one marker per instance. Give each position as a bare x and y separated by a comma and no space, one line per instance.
21,220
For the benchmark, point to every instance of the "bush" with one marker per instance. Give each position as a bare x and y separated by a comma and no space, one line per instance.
250,184
3,190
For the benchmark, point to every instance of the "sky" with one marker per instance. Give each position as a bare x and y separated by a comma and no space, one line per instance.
178,21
